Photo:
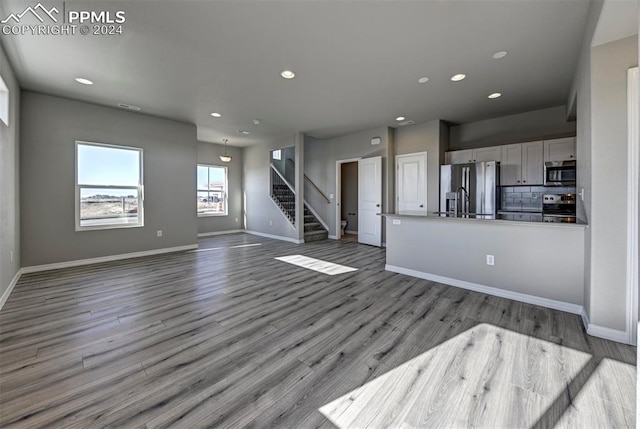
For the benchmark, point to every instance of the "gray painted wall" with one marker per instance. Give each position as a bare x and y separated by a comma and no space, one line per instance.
456,249
349,194
580,101
431,137
518,128
49,128
320,167
9,180
609,64
262,214
209,153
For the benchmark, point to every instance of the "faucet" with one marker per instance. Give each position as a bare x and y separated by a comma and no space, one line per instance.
462,192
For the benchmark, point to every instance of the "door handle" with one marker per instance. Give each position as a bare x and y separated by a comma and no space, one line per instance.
421,205
377,205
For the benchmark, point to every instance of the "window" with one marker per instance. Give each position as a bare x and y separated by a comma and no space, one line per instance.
212,190
277,154
4,102
108,186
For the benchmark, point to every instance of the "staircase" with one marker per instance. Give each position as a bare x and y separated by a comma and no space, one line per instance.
285,198
313,230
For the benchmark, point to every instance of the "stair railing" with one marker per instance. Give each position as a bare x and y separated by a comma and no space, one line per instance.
313,185
278,182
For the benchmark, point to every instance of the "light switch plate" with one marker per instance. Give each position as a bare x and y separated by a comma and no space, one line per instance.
397,222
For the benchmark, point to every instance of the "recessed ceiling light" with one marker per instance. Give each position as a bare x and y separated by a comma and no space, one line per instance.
423,79
499,55
287,74
400,118
257,122
495,95
216,115
244,132
458,77
84,81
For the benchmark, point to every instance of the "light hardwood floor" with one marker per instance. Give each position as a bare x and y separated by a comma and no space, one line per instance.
230,337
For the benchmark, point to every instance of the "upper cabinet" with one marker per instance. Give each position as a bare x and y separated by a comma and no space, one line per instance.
474,155
521,164
560,149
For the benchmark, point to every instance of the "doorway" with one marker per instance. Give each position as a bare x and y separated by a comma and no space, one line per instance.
347,199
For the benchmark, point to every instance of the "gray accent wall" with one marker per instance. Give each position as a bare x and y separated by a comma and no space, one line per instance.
9,180
320,167
522,127
609,64
50,126
209,153
431,137
261,213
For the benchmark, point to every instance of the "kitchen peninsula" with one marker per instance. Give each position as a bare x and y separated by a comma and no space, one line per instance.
533,262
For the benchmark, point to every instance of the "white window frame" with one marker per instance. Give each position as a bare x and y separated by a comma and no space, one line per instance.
225,191
4,102
139,188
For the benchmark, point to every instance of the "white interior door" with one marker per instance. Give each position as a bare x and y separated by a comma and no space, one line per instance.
370,201
411,179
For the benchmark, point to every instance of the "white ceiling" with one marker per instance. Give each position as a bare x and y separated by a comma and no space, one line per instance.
357,62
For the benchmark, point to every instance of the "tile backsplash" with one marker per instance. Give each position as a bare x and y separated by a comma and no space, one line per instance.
528,198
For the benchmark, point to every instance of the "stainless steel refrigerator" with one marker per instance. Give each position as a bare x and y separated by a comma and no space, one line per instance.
470,189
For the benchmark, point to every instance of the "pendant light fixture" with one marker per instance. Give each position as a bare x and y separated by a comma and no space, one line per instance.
225,157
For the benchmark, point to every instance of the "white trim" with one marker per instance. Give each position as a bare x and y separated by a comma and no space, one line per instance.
80,262
607,333
347,231
633,187
334,237
275,237
516,296
338,194
585,319
211,234
14,281
317,216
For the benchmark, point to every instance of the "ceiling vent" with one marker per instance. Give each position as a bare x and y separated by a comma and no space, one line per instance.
405,123
129,107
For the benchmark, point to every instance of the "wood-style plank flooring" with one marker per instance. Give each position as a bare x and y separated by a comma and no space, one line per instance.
229,337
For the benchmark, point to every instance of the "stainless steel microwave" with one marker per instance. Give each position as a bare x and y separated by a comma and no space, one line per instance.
560,173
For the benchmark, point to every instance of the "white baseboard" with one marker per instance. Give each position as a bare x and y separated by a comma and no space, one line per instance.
77,263
346,231
211,234
608,333
275,237
602,332
334,237
516,296
14,281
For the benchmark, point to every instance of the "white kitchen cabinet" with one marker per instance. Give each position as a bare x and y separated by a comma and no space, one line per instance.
560,149
532,163
482,154
521,164
460,156
511,165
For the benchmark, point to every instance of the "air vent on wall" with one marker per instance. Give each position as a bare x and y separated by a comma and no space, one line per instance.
129,107
405,123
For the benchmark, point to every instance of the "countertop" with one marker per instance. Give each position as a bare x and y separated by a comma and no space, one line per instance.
485,219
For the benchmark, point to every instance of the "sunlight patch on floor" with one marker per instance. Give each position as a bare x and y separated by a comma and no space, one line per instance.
484,377
316,264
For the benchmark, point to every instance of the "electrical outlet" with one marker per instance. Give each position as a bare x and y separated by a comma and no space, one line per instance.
11,256
397,222
270,222
491,260
236,220
159,233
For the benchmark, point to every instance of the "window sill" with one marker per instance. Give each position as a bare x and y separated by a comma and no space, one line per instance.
113,226
212,214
